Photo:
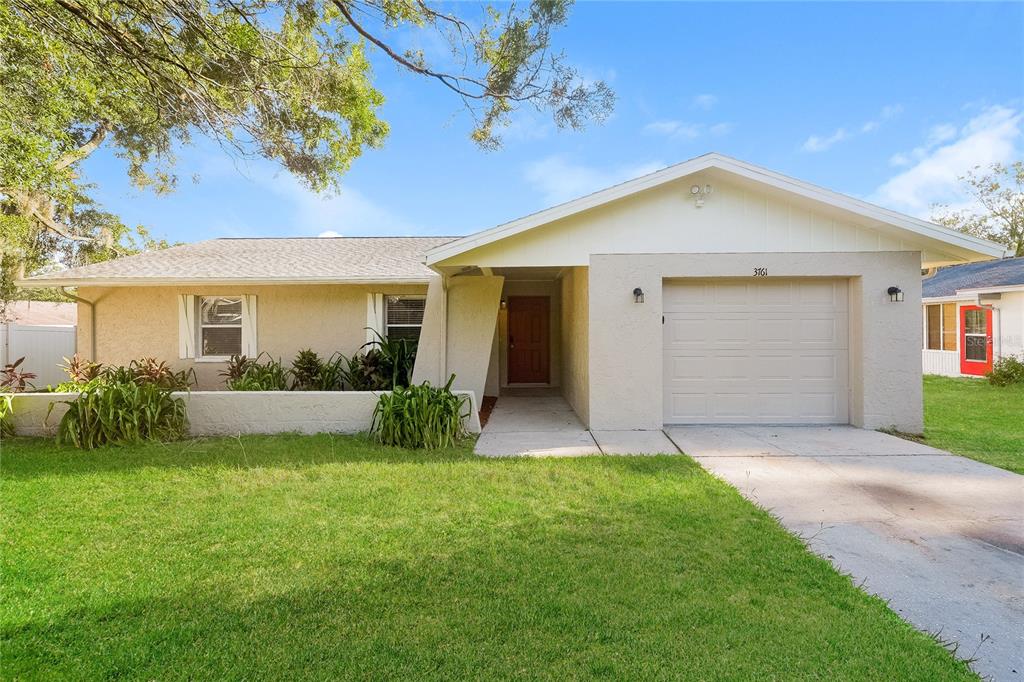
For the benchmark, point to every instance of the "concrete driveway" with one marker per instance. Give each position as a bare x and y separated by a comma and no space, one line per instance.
940,537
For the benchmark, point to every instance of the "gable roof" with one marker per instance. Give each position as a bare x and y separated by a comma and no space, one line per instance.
993,274
42,313
870,212
295,260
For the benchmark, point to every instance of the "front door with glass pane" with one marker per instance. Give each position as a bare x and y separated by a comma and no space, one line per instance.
975,340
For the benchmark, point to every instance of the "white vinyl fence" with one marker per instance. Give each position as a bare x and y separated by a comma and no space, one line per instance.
43,348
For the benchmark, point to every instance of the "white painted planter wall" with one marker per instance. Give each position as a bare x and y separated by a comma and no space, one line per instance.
228,413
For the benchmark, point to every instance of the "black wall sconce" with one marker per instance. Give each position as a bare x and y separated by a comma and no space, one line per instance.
895,294
638,295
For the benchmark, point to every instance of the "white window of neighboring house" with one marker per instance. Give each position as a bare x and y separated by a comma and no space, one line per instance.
403,317
941,326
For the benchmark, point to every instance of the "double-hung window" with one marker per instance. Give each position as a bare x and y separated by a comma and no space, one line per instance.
403,317
220,326
941,326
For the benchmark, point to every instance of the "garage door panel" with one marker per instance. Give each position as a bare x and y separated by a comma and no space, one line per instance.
772,351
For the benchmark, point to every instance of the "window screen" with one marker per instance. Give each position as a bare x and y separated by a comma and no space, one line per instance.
403,317
220,326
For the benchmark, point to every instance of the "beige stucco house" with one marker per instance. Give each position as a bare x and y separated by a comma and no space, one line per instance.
712,291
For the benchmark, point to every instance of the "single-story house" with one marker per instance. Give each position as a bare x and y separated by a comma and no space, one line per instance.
712,291
972,315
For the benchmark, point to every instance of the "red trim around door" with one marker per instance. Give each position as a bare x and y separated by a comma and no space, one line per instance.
976,342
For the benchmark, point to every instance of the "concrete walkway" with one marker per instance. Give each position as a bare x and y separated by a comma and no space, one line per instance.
545,426
940,537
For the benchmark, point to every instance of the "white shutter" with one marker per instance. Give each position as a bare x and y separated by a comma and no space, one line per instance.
186,326
249,347
374,316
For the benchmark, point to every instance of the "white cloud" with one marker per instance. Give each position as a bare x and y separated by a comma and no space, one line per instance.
674,129
705,102
818,143
332,215
815,143
559,179
681,130
992,136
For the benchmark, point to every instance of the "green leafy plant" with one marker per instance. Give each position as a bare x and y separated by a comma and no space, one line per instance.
421,416
382,365
235,369
80,370
1007,371
306,370
14,379
122,412
6,410
269,375
151,371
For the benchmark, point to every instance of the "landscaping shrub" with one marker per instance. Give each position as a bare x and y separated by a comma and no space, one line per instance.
306,368
13,379
420,416
1007,371
387,364
6,410
108,413
269,375
83,374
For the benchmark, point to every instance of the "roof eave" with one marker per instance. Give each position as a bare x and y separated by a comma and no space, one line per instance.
714,160
44,283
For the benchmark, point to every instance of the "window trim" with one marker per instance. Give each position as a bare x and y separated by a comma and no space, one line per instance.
388,326
200,325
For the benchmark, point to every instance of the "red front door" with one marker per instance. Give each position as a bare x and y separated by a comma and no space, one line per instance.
975,340
529,340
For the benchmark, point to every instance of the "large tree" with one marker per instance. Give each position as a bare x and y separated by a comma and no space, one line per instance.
286,80
998,191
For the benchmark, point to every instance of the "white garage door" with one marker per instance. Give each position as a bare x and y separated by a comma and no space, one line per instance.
761,351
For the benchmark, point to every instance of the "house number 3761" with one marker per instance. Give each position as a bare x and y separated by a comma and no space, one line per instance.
760,272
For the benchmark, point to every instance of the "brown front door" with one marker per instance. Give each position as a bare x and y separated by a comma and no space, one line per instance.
529,338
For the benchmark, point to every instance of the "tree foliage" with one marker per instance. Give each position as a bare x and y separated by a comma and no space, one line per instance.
999,191
285,80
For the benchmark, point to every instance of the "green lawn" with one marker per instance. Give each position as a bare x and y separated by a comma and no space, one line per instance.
974,418
319,557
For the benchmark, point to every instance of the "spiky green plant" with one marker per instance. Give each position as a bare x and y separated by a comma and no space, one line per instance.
122,412
6,410
421,416
269,375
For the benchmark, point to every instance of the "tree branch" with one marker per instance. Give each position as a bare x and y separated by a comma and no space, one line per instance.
94,141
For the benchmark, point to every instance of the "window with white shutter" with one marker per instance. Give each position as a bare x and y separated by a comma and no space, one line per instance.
403,317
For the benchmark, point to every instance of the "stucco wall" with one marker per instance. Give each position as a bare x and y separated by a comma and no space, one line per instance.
472,314
626,338
575,330
213,413
552,291
132,322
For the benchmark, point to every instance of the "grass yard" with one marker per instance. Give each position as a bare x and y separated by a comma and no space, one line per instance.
973,418
321,558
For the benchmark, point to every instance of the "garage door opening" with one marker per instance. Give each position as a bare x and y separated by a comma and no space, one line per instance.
756,351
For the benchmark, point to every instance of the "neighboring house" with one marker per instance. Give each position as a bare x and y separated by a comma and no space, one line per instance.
973,315
41,313
42,332
712,291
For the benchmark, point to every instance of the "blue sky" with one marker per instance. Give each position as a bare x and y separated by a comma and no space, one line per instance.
887,102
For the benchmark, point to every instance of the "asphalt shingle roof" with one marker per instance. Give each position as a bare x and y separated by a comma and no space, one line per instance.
325,259
993,273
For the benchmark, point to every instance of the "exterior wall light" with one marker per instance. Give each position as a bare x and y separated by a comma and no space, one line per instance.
895,294
503,303
638,295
